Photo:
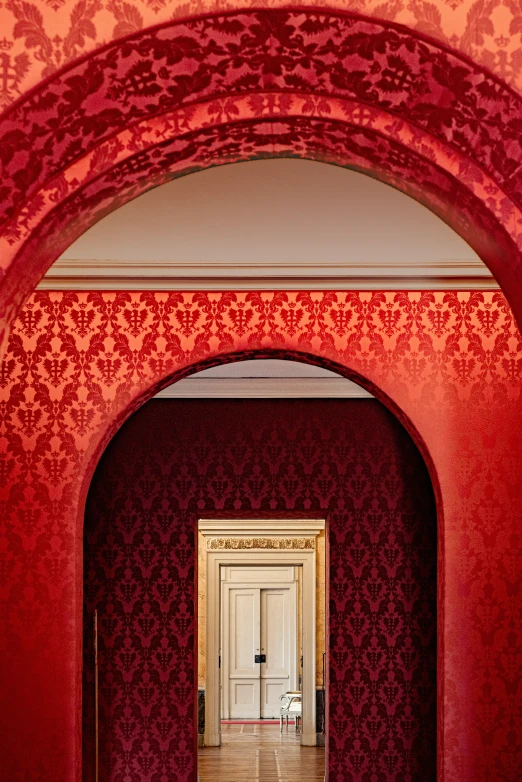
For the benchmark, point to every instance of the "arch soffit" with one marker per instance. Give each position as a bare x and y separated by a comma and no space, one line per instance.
87,140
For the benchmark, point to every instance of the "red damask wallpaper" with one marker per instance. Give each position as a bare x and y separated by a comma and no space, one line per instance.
174,460
449,364
42,35
332,86
432,108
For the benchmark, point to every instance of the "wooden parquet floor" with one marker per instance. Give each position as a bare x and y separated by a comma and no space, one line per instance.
260,753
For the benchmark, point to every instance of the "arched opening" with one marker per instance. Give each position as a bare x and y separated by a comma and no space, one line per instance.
74,150
442,402
174,460
209,108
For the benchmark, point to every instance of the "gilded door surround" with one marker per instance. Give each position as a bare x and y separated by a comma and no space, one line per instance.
259,542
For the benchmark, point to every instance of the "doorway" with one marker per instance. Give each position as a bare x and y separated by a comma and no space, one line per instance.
259,640
271,566
174,460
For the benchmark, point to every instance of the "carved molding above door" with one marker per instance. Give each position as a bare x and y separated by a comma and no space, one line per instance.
234,544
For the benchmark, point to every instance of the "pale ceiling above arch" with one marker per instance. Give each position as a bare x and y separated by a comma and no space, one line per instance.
264,379
270,224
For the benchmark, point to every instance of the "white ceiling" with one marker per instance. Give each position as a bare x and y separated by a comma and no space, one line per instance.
265,367
262,379
280,223
273,211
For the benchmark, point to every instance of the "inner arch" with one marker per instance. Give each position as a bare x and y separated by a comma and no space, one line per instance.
459,163
347,525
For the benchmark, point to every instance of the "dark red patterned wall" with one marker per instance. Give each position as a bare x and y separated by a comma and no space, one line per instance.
173,460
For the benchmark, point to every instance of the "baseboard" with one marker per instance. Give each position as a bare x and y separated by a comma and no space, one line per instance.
212,739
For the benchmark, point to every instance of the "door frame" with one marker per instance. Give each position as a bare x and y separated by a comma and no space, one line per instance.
259,542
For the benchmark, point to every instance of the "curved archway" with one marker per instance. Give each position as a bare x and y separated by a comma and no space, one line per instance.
485,32
315,359
79,363
397,518
303,86
175,98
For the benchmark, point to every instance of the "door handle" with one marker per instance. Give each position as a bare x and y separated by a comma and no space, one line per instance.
260,658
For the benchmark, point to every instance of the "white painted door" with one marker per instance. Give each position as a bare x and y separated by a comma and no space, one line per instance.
258,621
277,647
244,644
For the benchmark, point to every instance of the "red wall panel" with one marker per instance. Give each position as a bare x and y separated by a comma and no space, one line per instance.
449,364
331,86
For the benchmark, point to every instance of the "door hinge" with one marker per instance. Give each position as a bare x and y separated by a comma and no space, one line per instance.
219,661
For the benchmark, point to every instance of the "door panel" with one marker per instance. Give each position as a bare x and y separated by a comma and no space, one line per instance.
246,574
274,631
244,643
276,637
244,696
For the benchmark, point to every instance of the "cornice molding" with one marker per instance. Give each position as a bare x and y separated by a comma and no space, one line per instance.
260,529
98,274
264,388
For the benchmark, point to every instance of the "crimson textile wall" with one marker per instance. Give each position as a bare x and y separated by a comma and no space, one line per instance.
173,460
163,101
448,363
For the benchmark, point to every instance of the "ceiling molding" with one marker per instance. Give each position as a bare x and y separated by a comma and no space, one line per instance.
241,528
96,274
264,388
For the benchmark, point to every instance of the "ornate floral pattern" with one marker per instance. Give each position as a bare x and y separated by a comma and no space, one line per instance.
350,460
104,129
218,544
335,87
321,55
50,33
80,363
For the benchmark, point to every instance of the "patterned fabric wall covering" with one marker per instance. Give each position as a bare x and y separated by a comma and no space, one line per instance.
79,363
40,37
175,459
327,85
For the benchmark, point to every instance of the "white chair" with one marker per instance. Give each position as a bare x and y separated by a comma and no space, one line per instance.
291,705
